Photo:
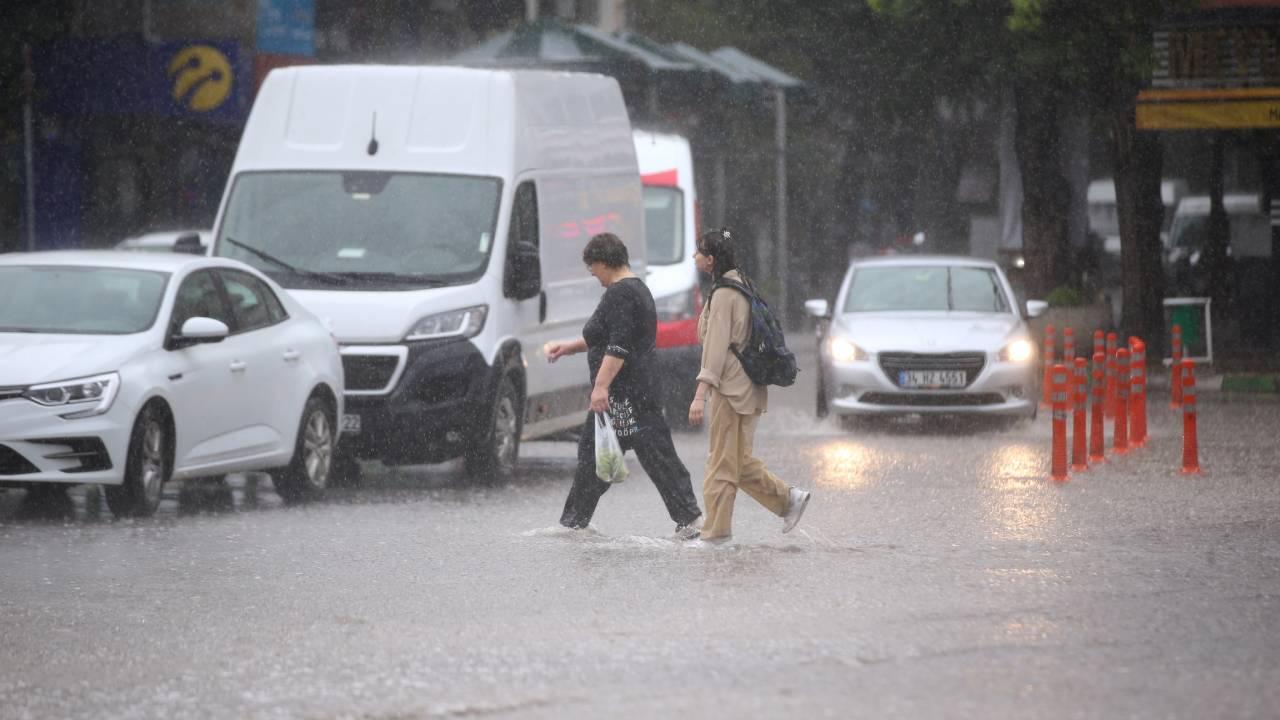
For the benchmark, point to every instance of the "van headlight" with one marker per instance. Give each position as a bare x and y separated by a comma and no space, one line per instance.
464,323
1018,351
90,395
844,351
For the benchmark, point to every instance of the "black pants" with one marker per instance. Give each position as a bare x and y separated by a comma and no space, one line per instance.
657,454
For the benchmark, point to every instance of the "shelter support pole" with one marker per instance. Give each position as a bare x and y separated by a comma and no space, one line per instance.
781,248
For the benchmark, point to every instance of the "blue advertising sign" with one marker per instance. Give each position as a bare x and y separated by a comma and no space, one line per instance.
287,27
124,76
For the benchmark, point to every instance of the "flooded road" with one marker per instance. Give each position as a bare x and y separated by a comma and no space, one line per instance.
937,572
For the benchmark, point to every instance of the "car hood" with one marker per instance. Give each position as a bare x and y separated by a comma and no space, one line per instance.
930,332
30,359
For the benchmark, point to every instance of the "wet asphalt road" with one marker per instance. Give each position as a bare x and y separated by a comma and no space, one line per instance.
938,573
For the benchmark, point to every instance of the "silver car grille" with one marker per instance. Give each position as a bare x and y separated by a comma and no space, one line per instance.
969,362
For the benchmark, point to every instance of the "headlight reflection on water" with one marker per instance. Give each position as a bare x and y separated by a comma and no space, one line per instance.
1020,501
847,464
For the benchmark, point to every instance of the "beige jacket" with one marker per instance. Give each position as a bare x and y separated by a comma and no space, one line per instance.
725,319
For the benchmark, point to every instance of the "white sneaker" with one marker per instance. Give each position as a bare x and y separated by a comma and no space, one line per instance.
799,501
690,531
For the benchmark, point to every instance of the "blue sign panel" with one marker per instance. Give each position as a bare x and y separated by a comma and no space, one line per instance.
196,79
287,27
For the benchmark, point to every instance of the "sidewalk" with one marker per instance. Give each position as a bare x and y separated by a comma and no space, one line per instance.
1228,383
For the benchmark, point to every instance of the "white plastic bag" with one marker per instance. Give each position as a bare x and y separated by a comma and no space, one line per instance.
611,467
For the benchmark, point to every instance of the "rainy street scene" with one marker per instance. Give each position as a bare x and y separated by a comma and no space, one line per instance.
639,358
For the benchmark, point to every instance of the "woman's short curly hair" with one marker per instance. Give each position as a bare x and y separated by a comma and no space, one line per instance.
606,248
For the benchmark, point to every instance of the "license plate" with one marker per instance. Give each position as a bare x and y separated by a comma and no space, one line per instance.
351,424
931,378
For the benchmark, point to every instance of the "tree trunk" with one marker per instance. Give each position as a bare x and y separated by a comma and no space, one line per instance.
1138,160
1046,192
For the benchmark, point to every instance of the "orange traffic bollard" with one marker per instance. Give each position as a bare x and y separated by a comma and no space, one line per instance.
1080,384
1120,436
1048,362
1111,375
1137,393
1060,383
1097,431
1175,369
1069,348
1190,440
1099,342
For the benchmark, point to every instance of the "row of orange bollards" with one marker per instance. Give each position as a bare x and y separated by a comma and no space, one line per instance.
1119,392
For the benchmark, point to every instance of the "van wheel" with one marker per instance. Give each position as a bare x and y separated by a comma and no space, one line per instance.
494,451
307,475
147,467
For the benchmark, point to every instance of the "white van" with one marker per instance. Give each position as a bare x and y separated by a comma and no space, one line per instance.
1104,220
436,217
671,235
1249,239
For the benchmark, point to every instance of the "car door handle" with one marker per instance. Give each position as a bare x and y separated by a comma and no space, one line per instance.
238,366
291,355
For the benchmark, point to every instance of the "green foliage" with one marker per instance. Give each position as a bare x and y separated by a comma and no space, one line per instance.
1065,296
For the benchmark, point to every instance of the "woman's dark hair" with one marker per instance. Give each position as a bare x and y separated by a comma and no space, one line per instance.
606,248
719,245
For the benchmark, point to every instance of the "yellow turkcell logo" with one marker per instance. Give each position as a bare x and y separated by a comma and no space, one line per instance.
201,77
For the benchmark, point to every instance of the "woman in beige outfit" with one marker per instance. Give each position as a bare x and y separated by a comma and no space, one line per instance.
733,402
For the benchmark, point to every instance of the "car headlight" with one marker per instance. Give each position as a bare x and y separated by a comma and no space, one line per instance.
844,351
464,323
1018,351
90,395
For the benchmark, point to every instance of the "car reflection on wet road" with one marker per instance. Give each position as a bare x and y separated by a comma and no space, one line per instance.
938,572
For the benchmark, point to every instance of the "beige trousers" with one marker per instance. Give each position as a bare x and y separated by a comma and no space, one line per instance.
730,467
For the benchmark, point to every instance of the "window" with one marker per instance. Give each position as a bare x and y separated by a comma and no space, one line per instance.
254,304
524,216
79,300
664,225
925,288
199,296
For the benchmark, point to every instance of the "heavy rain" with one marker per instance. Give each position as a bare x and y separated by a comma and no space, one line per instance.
938,339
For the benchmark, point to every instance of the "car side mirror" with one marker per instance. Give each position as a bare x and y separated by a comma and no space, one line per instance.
1036,308
523,276
189,244
201,330
817,309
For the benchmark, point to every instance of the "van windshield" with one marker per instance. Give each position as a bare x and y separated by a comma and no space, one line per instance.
663,225
361,230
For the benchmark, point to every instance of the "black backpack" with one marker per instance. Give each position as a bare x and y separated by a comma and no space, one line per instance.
766,358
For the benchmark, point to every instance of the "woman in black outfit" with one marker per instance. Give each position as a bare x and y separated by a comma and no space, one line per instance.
619,341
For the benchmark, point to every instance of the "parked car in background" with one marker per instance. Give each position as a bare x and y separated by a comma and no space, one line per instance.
193,242
671,236
1248,241
928,335
1104,219
130,369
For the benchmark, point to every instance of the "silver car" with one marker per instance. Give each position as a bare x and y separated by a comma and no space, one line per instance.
928,335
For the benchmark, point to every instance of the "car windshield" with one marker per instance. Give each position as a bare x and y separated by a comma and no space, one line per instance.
926,288
664,225
356,230
79,300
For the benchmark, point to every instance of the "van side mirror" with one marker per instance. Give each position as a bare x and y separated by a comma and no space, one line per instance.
189,244
523,276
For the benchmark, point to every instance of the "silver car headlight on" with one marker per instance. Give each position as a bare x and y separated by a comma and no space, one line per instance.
463,323
844,350
90,395
1018,351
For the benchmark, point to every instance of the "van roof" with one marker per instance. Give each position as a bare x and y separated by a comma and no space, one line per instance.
468,121
1235,204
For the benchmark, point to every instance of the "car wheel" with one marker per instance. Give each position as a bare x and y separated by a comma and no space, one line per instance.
345,471
307,475
494,451
147,467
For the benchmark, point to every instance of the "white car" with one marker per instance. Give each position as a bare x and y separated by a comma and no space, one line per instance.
926,335
193,242
131,369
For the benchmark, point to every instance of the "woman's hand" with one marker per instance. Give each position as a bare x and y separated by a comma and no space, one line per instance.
555,350
599,399
695,411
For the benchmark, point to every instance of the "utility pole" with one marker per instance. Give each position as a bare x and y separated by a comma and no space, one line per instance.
780,141
28,144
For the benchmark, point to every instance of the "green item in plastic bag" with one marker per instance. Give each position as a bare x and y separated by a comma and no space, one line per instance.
611,466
